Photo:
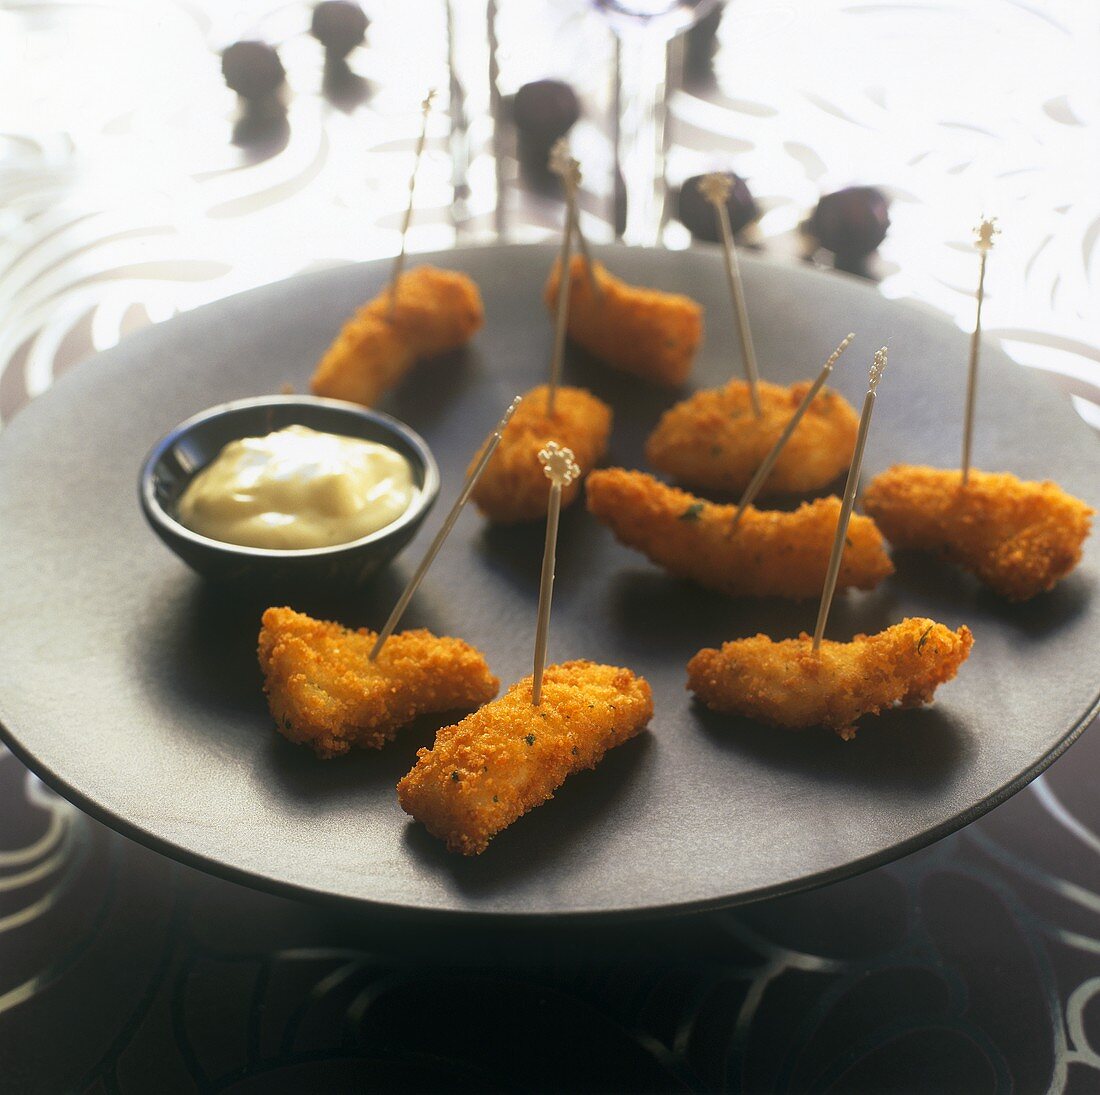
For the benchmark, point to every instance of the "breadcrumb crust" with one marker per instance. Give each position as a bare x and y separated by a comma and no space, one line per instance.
713,441
646,332
324,691
1018,537
509,756
513,486
786,684
437,310
770,554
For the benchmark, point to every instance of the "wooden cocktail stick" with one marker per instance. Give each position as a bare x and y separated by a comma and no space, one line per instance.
399,261
762,472
582,242
567,168
877,369
562,164
488,449
561,469
984,234
716,189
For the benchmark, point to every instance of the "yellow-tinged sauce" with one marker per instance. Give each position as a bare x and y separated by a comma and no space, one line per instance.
297,488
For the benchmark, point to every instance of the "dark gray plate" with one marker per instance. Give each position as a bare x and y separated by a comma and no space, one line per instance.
133,689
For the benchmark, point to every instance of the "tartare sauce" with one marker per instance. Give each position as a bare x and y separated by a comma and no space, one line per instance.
297,488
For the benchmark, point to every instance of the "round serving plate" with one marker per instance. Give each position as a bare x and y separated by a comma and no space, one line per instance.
132,687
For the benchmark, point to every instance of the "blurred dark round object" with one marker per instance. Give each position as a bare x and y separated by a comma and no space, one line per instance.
851,222
697,214
544,111
339,26
252,69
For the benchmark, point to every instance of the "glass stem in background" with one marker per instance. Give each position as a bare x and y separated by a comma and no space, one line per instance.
472,111
641,68
496,113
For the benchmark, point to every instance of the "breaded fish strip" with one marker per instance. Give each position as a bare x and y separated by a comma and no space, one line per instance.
713,441
1018,537
646,332
437,310
325,692
769,554
786,684
513,486
510,756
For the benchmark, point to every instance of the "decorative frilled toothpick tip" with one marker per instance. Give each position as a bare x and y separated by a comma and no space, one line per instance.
878,367
399,261
983,233
762,472
561,469
488,448
715,187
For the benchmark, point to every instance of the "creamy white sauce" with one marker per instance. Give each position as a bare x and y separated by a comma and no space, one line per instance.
297,488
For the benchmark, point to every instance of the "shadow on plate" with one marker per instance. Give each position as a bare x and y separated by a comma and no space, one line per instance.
362,773
654,611
900,750
946,588
1043,614
780,503
431,390
647,402
554,831
515,551
204,655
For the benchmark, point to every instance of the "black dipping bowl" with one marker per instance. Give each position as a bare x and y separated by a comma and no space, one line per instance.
187,449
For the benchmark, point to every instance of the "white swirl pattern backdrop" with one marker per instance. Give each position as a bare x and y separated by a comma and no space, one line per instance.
122,199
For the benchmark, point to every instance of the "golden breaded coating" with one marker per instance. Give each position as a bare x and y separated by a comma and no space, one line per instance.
325,692
437,310
713,441
1018,537
509,756
646,332
769,554
514,486
786,684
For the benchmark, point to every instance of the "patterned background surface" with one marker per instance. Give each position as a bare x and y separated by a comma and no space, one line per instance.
971,966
